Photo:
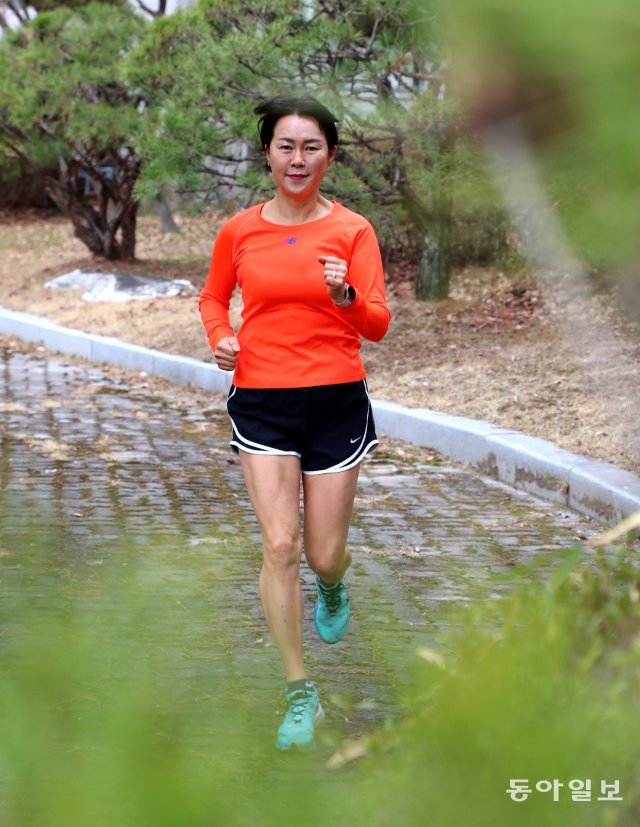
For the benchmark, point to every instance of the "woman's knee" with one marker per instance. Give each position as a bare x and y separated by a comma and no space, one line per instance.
330,567
281,552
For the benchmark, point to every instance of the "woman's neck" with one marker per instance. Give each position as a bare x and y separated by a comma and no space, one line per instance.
283,210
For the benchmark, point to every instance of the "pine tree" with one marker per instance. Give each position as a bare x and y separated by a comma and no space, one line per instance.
65,105
203,70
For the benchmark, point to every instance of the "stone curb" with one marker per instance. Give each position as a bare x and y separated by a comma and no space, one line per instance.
96,348
598,489
595,488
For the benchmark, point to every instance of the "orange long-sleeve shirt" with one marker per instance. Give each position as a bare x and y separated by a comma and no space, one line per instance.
292,335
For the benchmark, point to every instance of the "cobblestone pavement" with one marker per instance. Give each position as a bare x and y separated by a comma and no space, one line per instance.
95,461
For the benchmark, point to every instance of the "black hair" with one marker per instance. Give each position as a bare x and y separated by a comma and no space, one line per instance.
270,112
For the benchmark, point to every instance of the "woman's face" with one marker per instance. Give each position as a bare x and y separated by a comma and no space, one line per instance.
298,155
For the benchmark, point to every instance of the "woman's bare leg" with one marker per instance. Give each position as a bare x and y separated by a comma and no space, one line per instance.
273,483
328,504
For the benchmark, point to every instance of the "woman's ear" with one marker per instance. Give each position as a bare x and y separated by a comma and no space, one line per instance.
332,153
266,158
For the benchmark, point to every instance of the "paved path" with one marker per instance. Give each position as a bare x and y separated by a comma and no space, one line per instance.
97,469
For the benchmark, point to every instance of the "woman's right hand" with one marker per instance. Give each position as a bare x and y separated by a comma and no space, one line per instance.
226,353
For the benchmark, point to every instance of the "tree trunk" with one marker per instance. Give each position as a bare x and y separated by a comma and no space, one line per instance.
434,267
98,216
167,223
433,225
128,230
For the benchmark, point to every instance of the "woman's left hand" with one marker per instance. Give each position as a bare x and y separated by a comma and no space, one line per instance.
335,276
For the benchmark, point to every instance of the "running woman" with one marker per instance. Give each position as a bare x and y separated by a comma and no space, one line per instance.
312,284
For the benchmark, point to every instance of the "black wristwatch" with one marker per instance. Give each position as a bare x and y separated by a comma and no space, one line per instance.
349,296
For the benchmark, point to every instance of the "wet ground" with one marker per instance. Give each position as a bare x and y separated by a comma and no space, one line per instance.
99,470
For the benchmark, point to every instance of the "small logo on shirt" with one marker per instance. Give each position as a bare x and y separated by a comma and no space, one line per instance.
354,440
291,240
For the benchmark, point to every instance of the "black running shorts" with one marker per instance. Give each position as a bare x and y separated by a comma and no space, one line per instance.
329,427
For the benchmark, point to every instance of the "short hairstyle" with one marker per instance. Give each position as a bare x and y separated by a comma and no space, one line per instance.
270,112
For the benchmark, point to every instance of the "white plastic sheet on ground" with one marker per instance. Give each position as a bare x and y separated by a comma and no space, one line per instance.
119,287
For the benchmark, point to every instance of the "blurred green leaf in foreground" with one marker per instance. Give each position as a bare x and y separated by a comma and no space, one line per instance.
567,76
116,708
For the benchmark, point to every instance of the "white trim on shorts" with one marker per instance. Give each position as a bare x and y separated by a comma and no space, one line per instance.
335,469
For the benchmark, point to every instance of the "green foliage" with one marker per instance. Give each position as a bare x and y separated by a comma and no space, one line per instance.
10,170
64,104
118,706
203,71
52,5
541,685
61,94
569,72
117,711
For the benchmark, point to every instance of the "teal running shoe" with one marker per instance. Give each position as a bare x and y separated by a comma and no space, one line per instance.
332,611
303,713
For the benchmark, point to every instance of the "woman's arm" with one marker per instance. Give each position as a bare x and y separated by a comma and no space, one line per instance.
219,286
368,312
